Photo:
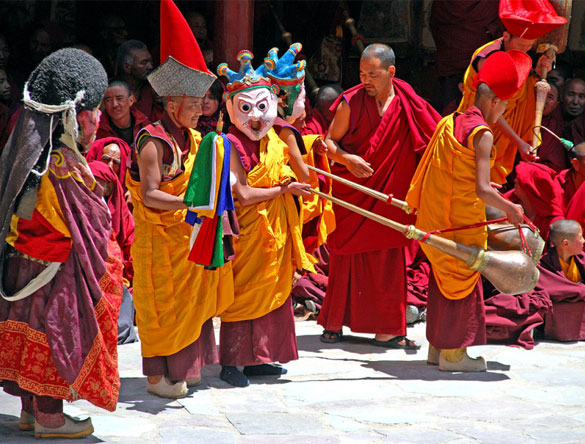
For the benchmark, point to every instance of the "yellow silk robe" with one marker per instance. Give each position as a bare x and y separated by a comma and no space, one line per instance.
270,246
443,191
173,296
519,114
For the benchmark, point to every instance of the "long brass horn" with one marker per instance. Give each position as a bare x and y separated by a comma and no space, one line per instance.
511,272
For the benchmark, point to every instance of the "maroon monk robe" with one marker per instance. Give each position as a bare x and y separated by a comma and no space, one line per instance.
122,220
106,127
269,338
148,105
576,208
566,320
97,149
543,194
418,270
567,181
315,124
551,151
510,319
367,280
575,131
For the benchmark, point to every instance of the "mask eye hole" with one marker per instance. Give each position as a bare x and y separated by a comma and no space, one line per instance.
245,107
262,106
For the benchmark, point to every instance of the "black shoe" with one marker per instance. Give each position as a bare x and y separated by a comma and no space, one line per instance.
264,370
233,376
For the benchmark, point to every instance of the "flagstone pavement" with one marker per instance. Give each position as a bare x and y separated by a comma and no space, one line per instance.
351,392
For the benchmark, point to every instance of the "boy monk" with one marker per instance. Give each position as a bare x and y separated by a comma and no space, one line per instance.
457,162
562,274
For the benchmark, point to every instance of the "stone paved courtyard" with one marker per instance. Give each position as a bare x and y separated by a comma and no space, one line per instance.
352,392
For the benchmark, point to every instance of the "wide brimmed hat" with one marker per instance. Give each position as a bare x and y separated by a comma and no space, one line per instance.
183,71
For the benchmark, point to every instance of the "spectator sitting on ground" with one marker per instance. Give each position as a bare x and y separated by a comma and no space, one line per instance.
119,119
562,269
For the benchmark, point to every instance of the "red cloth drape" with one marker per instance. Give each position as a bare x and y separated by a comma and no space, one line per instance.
391,145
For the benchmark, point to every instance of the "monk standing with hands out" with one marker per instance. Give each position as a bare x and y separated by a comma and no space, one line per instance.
375,138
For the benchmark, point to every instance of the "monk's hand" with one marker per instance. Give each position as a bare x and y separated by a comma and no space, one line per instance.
543,66
527,152
298,188
319,146
358,166
515,214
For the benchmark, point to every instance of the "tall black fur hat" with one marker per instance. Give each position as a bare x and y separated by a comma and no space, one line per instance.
62,74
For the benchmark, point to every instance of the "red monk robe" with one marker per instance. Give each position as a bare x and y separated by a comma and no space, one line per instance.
367,280
510,319
575,132
575,210
315,124
566,320
568,182
551,152
540,195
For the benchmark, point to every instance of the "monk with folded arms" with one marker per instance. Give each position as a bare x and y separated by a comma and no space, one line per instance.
450,189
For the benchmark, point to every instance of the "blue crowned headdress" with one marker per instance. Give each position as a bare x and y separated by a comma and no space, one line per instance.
287,74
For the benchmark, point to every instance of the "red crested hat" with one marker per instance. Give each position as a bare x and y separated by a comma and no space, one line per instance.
504,72
183,70
529,19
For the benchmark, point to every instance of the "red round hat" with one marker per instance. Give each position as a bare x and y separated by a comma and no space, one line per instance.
504,72
529,19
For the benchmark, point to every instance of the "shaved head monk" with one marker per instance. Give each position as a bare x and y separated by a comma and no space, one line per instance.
562,270
379,129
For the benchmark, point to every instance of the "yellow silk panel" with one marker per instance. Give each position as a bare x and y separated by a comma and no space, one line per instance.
443,191
270,247
173,296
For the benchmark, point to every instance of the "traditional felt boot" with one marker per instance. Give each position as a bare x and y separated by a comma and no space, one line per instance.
457,360
192,382
27,421
73,428
433,356
166,389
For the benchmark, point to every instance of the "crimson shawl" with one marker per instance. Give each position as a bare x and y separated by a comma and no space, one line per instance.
392,145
